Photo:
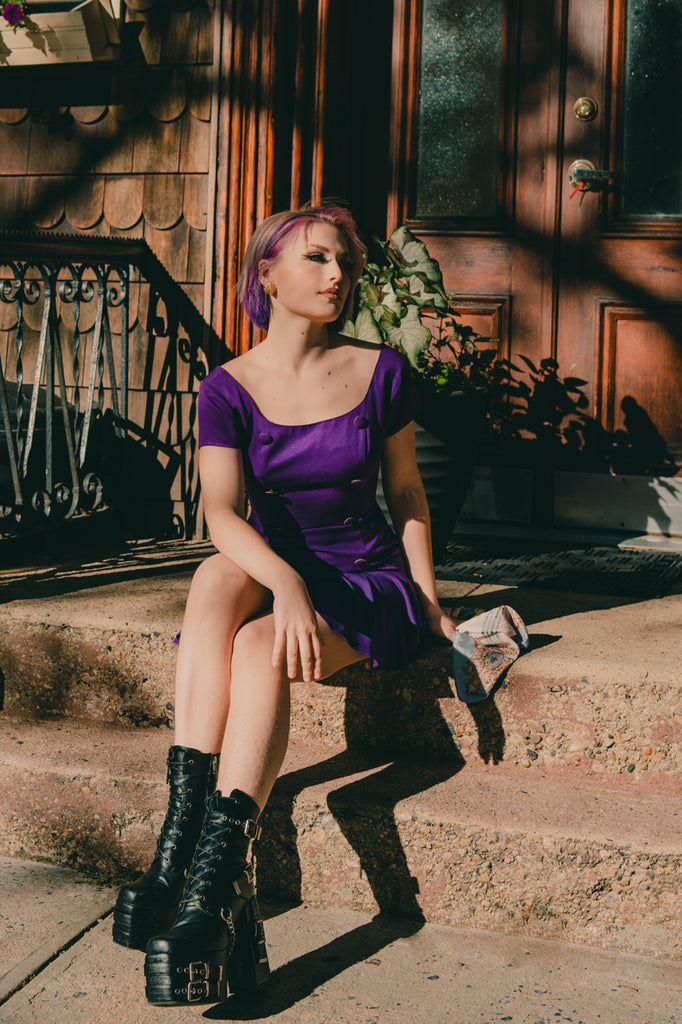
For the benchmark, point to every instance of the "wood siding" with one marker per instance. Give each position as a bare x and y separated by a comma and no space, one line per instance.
138,161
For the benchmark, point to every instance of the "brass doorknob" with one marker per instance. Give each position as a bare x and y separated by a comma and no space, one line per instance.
585,108
583,175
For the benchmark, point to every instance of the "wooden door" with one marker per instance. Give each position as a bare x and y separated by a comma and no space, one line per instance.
494,103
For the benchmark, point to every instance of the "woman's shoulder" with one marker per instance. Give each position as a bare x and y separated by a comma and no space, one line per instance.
233,370
220,386
369,353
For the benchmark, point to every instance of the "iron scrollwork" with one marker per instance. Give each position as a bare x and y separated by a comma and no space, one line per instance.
59,384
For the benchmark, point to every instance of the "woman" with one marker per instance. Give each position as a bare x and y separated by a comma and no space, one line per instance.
312,581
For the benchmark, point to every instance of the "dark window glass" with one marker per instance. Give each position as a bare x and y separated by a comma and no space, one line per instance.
459,108
652,143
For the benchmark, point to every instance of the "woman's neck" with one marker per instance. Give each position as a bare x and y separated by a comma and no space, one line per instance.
292,341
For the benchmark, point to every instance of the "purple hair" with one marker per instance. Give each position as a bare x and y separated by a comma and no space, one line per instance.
267,243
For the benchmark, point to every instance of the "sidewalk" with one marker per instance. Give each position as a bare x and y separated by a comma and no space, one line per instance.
329,967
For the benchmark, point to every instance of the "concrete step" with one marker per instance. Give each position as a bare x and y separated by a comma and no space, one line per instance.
330,964
556,854
601,687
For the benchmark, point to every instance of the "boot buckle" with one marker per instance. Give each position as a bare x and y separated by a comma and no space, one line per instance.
197,990
252,830
199,970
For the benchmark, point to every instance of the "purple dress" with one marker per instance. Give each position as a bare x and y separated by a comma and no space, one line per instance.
312,496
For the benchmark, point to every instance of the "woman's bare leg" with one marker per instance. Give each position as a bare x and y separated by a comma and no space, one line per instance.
257,730
222,598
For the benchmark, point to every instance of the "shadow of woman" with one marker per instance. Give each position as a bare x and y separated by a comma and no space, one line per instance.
297,979
401,745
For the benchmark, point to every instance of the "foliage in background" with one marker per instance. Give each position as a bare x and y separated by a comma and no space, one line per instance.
401,302
532,414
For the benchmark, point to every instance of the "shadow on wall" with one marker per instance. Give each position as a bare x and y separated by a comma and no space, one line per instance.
537,418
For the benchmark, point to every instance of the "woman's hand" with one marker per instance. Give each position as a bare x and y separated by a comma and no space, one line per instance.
296,630
440,623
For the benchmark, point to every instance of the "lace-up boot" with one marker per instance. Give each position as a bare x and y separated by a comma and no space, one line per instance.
149,905
217,945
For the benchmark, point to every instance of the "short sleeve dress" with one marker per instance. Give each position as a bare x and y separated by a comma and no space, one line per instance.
312,496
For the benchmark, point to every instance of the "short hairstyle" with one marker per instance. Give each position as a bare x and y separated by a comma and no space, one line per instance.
267,242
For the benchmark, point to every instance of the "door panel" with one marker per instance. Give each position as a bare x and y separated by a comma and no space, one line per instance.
620,269
590,278
642,395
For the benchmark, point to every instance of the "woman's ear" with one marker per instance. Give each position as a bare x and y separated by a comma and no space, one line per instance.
264,278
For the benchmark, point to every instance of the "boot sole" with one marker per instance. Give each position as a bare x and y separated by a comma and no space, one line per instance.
129,931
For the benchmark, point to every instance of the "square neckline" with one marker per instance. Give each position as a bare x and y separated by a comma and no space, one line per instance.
312,423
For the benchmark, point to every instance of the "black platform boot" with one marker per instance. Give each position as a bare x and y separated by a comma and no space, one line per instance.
149,905
217,945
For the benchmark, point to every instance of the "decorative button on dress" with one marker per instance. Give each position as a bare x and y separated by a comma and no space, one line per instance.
312,496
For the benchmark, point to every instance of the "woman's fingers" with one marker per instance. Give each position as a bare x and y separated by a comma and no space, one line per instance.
307,657
278,648
292,655
302,643
317,651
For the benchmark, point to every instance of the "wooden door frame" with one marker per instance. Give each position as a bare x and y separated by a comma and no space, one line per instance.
269,151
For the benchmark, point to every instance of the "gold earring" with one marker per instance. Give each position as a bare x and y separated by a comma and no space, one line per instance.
269,288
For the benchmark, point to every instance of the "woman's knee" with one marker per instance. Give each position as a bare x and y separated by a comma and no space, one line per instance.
219,578
220,587
253,642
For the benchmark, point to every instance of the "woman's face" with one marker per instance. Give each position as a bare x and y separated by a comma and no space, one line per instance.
312,273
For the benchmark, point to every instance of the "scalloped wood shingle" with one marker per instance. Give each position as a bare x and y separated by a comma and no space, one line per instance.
46,200
195,203
84,202
167,96
115,142
162,202
123,200
157,145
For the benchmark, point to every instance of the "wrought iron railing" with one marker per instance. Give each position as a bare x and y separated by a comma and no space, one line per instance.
65,318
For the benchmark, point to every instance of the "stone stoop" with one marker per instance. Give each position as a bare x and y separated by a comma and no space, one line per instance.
551,854
599,690
551,810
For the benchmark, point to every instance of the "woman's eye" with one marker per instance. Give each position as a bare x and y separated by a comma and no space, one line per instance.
316,257
346,266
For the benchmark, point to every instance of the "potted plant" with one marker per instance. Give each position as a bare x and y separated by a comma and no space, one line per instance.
401,302
59,31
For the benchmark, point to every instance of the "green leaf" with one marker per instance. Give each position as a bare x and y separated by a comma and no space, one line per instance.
348,328
411,336
390,299
370,294
423,272
365,327
389,318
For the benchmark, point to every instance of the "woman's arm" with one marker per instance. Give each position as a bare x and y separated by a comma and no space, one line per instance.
296,631
404,493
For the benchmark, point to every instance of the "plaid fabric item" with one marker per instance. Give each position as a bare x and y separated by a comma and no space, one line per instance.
483,649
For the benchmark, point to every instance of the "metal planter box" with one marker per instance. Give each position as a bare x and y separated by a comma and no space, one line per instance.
64,33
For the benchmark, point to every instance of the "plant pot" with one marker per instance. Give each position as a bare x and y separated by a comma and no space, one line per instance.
63,33
445,436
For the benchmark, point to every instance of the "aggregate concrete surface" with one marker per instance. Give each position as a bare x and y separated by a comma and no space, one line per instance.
43,907
331,964
335,967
